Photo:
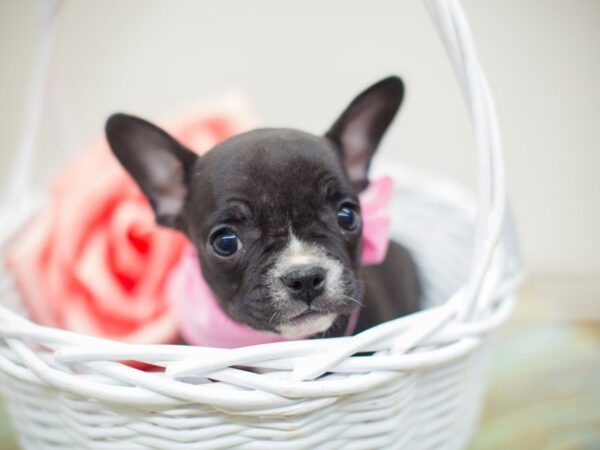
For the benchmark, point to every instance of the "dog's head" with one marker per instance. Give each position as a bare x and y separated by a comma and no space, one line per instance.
273,213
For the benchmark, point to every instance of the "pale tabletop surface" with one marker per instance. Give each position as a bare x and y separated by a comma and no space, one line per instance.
544,390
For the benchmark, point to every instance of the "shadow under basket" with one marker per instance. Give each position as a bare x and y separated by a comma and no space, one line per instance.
420,388
421,391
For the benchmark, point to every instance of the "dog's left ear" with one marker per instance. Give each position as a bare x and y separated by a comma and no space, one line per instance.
358,131
159,164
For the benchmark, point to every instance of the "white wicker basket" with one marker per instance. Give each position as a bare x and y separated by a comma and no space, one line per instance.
421,389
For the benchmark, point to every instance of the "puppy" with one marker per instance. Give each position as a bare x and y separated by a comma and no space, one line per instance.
275,217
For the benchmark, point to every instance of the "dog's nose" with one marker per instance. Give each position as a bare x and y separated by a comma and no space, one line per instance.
305,283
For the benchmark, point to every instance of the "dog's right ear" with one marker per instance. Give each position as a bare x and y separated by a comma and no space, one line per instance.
358,131
159,164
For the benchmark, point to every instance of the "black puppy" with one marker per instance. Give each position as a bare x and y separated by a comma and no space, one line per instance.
274,215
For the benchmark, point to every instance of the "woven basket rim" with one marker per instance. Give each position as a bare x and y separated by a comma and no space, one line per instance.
417,179
66,352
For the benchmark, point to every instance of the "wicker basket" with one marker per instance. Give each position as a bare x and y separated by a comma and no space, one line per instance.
420,389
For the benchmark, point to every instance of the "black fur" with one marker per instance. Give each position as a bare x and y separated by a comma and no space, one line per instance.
259,184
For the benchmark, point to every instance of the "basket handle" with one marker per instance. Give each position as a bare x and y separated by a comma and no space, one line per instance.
451,23
19,202
452,26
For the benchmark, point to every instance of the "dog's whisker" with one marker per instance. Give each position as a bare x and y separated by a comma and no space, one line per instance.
358,302
273,316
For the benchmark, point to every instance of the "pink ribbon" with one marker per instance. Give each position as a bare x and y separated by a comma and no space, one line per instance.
374,202
203,322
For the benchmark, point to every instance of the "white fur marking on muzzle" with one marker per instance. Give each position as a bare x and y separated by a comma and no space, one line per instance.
299,253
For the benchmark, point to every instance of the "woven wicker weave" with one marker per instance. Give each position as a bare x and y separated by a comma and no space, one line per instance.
421,389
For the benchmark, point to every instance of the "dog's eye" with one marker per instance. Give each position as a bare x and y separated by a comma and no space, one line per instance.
347,217
225,242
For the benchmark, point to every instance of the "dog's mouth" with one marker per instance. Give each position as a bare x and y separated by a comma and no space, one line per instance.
306,324
306,316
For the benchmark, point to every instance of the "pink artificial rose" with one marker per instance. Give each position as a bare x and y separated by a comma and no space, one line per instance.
94,261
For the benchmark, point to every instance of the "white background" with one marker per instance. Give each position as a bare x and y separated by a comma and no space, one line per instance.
299,64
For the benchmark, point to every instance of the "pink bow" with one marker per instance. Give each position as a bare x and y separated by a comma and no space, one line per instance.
203,322
374,202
